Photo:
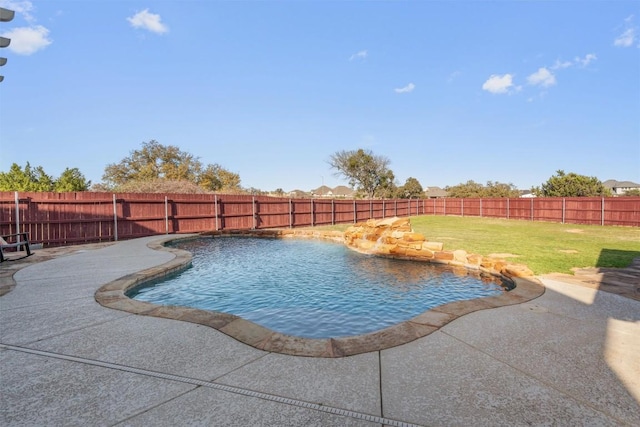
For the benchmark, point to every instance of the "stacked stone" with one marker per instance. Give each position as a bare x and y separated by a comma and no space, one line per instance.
394,237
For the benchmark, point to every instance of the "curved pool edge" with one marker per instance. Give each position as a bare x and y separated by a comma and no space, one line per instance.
113,295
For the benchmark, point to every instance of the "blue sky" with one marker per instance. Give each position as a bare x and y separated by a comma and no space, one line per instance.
449,91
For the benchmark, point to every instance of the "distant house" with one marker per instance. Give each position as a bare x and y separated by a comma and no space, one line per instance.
340,191
619,188
343,191
435,193
526,194
298,194
322,191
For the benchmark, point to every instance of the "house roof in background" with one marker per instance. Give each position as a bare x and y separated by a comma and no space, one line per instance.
612,183
435,192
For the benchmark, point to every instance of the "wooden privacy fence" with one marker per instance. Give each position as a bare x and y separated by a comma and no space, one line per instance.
67,218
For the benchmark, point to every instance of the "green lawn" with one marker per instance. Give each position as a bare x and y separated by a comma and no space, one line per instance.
544,247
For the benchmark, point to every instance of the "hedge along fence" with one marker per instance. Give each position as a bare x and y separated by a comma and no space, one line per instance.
84,217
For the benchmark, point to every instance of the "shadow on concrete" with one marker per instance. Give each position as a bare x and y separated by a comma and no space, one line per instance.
611,324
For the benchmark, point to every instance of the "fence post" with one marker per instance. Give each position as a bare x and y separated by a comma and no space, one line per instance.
508,208
215,207
166,215
312,212
290,214
444,208
602,213
462,206
563,209
115,219
355,211
370,209
253,211
17,200
409,207
333,212
532,209
383,209
396,206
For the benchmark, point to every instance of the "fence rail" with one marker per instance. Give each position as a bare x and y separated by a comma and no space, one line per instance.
67,218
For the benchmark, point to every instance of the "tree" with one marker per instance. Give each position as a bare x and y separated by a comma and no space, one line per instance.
472,189
571,185
215,177
36,179
388,188
160,186
155,161
366,172
632,192
71,180
498,189
411,189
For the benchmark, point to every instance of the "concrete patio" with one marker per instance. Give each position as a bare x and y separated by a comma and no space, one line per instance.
569,357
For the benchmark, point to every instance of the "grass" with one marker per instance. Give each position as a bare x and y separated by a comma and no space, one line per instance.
544,247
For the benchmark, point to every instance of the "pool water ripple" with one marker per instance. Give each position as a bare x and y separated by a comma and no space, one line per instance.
310,288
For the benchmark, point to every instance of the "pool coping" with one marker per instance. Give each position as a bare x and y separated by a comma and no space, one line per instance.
113,295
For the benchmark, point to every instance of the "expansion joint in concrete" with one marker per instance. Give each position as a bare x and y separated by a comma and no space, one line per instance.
216,386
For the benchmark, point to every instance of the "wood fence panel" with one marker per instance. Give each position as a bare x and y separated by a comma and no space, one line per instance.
236,213
363,209
67,218
273,213
140,215
471,207
453,206
623,211
520,208
548,209
583,210
389,208
495,208
376,209
439,206
301,212
344,211
191,213
59,218
324,214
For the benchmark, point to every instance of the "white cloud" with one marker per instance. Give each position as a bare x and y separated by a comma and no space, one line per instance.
360,55
628,36
25,40
625,39
561,64
408,88
148,21
28,40
499,84
542,77
23,8
588,58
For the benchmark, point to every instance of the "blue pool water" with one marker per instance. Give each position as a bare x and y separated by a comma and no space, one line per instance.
310,288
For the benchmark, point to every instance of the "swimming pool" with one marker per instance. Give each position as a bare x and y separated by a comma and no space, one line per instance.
310,289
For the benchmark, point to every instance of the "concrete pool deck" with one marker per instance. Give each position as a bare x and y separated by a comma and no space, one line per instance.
570,356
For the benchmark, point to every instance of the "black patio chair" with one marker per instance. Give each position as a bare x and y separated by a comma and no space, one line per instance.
14,241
